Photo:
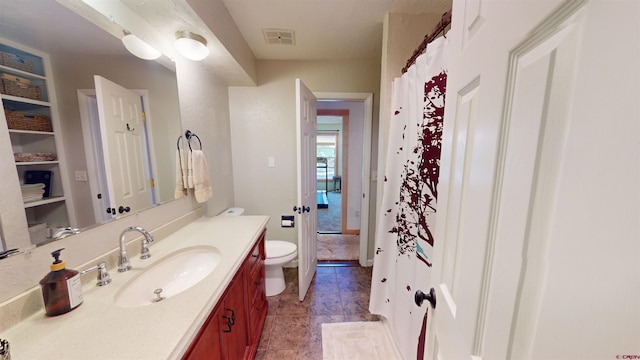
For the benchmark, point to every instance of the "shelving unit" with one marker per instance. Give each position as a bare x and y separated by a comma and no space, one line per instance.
21,71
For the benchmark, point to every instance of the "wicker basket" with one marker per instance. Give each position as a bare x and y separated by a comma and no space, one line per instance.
15,88
16,62
34,157
17,120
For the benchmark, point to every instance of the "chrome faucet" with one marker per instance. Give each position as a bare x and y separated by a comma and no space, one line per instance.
123,261
64,232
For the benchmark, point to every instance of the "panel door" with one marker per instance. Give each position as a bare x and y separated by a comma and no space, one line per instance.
538,206
122,131
306,111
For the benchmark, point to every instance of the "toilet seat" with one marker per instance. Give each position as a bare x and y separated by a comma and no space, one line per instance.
278,248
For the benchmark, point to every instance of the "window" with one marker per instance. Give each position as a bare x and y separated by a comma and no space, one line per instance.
327,148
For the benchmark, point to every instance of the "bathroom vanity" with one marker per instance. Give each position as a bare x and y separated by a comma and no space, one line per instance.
219,317
233,328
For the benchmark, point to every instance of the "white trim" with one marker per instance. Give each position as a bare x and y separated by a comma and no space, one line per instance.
367,98
84,102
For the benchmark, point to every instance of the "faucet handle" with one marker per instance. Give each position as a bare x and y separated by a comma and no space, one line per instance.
103,275
144,250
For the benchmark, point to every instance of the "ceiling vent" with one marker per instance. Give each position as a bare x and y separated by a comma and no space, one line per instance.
279,36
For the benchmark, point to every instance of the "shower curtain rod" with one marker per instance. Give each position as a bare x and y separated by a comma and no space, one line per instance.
444,22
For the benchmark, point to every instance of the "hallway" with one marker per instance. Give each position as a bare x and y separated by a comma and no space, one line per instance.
334,247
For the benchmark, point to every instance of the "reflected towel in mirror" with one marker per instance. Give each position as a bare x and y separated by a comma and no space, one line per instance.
181,174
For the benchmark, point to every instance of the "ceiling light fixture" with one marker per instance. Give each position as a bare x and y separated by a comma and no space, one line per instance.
192,46
138,47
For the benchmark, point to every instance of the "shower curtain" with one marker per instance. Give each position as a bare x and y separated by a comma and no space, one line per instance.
406,219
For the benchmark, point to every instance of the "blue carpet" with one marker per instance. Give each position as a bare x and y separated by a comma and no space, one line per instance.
330,218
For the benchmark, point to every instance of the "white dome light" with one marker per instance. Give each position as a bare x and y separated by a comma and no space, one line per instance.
139,48
192,46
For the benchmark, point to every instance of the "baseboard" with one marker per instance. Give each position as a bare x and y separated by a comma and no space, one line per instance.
294,263
369,262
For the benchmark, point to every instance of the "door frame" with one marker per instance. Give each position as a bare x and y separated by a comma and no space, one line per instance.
344,161
366,177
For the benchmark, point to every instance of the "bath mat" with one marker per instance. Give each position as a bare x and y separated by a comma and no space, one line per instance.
356,340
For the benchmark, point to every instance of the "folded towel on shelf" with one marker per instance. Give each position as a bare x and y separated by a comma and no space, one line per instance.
201,184
24,187
32,192
30,198
181,172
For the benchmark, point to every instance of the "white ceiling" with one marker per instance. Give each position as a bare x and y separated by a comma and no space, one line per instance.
324,29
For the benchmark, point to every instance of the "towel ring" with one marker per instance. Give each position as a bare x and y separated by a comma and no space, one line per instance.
178,142
188,134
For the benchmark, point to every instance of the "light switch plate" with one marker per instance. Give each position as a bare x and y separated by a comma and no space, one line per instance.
81,175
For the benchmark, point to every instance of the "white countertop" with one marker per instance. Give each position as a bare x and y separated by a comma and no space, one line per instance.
98,329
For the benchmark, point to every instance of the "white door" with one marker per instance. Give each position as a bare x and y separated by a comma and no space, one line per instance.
122,131
306,106
537,235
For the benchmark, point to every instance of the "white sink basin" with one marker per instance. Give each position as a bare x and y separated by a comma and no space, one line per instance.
173,274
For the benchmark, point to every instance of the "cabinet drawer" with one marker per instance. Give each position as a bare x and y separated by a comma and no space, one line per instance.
257,299
257,255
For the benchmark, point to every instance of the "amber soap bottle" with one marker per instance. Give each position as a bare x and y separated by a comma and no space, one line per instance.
61,288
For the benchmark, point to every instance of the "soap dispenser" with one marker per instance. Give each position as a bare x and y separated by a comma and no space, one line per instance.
61,288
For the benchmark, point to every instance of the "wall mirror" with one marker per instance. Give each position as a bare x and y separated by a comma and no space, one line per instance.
78,50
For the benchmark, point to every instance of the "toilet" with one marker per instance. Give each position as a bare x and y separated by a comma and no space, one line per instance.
278,253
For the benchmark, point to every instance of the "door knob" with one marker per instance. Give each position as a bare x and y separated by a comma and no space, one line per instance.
302,209
430,297
123,209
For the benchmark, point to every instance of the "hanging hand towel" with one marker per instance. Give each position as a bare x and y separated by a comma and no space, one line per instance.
201,184
181,175
189,174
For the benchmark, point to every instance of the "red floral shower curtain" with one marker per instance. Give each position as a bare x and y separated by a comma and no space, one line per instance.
406,220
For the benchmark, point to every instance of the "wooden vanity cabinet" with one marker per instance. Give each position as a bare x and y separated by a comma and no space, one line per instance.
232,330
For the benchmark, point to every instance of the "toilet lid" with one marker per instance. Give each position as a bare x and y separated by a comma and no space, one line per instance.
278,248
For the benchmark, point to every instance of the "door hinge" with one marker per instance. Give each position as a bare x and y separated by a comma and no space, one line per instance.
152,183
144,116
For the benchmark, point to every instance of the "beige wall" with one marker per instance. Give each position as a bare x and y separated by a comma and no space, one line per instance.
204,105
263,124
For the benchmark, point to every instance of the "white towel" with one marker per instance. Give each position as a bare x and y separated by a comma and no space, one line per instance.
181,174
189,174
201,184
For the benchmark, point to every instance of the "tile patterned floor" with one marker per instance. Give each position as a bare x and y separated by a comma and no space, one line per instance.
293,329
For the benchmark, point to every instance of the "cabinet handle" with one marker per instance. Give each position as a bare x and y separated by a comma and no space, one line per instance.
231,320
229,325
233,316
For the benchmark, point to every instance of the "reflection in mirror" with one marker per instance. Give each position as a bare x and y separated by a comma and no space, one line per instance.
77,51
